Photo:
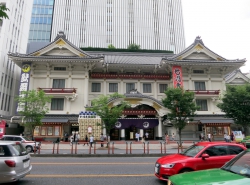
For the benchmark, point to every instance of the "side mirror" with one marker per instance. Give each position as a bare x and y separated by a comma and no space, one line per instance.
204,156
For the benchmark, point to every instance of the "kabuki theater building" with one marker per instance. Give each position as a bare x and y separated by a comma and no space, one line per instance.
74,77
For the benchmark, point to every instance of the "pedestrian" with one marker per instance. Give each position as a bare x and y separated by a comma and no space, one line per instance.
71,139
91,140
86,140
167,138
77,138
136,136
66,135
173,136
102,139
209,137
143,140
228,138
146,136
232,136
225,137
200,136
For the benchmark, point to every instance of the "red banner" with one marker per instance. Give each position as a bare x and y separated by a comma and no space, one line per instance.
177,76
2,128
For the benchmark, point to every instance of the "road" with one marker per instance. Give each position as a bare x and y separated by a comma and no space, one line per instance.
92,171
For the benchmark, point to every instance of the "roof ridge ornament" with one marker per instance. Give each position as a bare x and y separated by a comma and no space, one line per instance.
198,40
60,35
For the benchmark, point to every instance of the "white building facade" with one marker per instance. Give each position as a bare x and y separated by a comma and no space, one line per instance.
152,24
75,77
13,38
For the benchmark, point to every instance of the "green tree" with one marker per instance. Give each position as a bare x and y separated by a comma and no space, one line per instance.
108,113
34,107
3,10
182,108
111,46
236,104
134,47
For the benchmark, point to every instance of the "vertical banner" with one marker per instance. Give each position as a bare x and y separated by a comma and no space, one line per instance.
177,76
24,83
2,128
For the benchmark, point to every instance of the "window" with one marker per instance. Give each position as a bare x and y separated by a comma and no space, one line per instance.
163,87
60,68
113,87
234,150
96,87
202,104
147,88
217,151
198,71
58,83
129,87
199,86
57,103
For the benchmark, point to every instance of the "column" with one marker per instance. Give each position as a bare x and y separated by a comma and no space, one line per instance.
141,133
122,136
86,92
104,87
159,137
155,90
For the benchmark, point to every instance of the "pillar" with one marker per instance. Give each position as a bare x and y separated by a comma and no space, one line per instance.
86,91
122,136
159,137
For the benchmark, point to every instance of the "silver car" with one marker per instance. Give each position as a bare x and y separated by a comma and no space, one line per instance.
14,161
27,143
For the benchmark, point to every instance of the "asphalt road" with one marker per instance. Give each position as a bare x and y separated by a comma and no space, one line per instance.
92,171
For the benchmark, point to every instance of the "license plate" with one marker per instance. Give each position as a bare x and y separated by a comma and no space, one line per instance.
156,169
26,164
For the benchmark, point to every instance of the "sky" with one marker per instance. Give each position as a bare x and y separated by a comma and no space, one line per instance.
223,25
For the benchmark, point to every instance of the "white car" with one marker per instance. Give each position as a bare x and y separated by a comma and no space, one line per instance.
27,143
14,161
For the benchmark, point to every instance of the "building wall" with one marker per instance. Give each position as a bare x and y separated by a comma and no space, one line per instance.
13,38
152,24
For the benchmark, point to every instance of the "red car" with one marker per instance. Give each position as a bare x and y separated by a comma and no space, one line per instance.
200,156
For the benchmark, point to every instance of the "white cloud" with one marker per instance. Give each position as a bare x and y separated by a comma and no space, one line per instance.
224,26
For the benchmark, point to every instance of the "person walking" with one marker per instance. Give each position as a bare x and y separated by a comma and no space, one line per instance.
209,137
137,136
225,137
167,138
71,139
66,137
232,137
143,140
86,139
91,140
173,136
102,139
146,136
77,138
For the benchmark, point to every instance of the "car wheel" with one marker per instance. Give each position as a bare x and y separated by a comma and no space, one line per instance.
29,149
185,170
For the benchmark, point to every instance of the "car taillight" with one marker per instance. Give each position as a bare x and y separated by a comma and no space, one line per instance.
10,163
18,143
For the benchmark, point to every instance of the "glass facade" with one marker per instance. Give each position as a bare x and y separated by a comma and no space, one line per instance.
41,21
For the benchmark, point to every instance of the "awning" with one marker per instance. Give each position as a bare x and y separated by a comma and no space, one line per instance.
55,120
137,123
204,121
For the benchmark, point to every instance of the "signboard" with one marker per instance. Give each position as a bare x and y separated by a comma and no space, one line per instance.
2,128
177,76
238,136
24,83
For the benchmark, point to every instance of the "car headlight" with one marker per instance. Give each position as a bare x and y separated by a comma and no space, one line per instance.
168,165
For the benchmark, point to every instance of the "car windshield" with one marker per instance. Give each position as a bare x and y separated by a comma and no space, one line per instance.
18,150
192,150
239,165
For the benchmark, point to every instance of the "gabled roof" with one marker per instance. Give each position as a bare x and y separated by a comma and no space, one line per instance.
198,49
229,78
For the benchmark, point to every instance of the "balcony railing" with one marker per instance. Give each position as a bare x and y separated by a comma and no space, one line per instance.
130,76
139,112
206,92
58,90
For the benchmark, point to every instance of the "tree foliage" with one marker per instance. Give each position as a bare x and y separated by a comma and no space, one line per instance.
134,47
34,107
3,10
111,46
108,113
236,104
181,106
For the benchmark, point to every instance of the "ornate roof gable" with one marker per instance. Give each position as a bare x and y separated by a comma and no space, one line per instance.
197,51
236,78
60,47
